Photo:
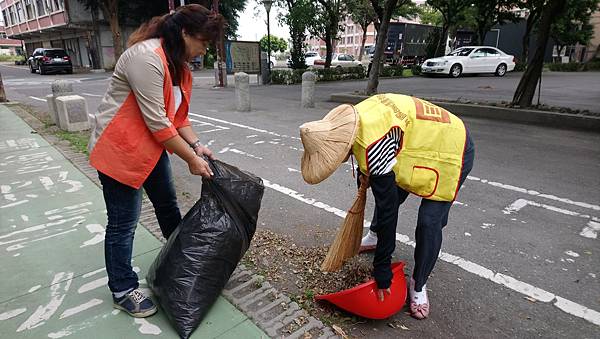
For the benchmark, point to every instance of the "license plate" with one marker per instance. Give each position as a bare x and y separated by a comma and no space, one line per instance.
58,59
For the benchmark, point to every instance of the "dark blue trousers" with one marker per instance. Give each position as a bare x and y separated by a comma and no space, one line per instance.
433,216
123,206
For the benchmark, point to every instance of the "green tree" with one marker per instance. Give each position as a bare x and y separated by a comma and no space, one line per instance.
488,13
110,10
299,17
429,15
277,44
551,12
453,12
328,14
384,11
363,14
574,25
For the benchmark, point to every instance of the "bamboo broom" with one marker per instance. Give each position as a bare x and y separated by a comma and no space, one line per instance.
347,241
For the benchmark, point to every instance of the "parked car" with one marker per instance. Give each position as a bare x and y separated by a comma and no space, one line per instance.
339,61
470,59
50,60
309,59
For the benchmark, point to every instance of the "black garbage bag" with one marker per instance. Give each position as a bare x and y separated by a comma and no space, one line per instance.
193,267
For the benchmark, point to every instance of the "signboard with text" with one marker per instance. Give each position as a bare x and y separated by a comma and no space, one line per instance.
242,56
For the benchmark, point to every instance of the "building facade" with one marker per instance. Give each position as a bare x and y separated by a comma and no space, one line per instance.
66,24
593,48
9,46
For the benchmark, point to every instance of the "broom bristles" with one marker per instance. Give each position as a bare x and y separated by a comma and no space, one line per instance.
347,241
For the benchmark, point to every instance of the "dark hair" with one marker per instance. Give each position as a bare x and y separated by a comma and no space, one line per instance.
194,18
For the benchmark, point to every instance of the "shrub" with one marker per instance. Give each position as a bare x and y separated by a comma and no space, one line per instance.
290,77
4,57
416,69
566,67
391,71
286,77
592,65
520,66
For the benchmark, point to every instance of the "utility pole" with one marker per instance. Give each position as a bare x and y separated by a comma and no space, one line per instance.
2,93
220,47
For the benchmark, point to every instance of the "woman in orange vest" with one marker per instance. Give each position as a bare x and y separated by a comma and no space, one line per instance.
404,145
144,114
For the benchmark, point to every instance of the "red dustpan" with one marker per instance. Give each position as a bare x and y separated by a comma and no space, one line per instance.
362,299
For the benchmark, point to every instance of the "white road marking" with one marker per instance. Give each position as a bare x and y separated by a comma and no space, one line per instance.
89,274
92,95
524,288
38,99
535,193
520,203
34,288
591,230
93,285
243,126
58,290
237,151
12,313
146,327
85,306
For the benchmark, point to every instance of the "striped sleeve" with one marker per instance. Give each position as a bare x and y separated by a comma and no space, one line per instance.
381,156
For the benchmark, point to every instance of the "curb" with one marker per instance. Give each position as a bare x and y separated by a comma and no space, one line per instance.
545,118
270,310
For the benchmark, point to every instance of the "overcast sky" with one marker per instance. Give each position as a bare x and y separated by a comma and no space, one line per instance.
252,23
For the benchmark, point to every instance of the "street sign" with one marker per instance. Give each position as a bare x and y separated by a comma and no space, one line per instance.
242,56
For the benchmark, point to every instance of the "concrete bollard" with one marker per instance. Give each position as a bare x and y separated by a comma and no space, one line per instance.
72,113
308,89
242,92
59,88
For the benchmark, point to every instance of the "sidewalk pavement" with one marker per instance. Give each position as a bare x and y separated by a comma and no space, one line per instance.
52,221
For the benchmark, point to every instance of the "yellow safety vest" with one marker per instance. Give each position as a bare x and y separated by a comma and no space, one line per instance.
430,157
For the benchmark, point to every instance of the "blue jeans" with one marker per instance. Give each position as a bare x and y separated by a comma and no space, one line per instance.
123,206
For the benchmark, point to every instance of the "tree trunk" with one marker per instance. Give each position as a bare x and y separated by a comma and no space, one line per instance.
362,44
441,47
380,47
328,49
531,20
2,93
110,10
526,88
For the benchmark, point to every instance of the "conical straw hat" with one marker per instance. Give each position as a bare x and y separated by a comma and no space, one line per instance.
327,142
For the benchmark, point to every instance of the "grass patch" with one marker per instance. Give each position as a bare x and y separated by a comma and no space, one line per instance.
78,140
407,72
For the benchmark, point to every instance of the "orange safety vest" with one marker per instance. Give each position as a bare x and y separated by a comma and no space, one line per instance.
122,145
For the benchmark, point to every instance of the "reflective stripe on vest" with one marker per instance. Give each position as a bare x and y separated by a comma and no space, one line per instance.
430,158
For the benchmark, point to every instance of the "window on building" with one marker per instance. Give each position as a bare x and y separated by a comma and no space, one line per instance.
57,4
41,7
11,13
5,17
29,10
20,14
48,6
3,35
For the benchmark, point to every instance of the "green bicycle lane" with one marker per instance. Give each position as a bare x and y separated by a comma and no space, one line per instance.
53,282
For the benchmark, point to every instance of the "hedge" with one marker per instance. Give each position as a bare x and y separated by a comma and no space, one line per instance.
576,66
290,77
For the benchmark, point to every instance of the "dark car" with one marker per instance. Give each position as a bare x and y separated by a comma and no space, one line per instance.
50,60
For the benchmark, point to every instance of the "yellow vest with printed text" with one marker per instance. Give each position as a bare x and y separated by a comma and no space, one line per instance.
429,160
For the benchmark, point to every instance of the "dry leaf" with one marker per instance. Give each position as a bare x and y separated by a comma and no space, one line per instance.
339,331
531,299
404,327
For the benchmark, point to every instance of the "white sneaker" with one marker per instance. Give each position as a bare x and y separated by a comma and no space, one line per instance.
368,242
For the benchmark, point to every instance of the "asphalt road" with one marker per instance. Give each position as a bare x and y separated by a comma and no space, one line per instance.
521,252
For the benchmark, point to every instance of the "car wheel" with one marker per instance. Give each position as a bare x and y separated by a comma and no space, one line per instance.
42,70
501,70
338,66
271,64
70,71
31,69
455,71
